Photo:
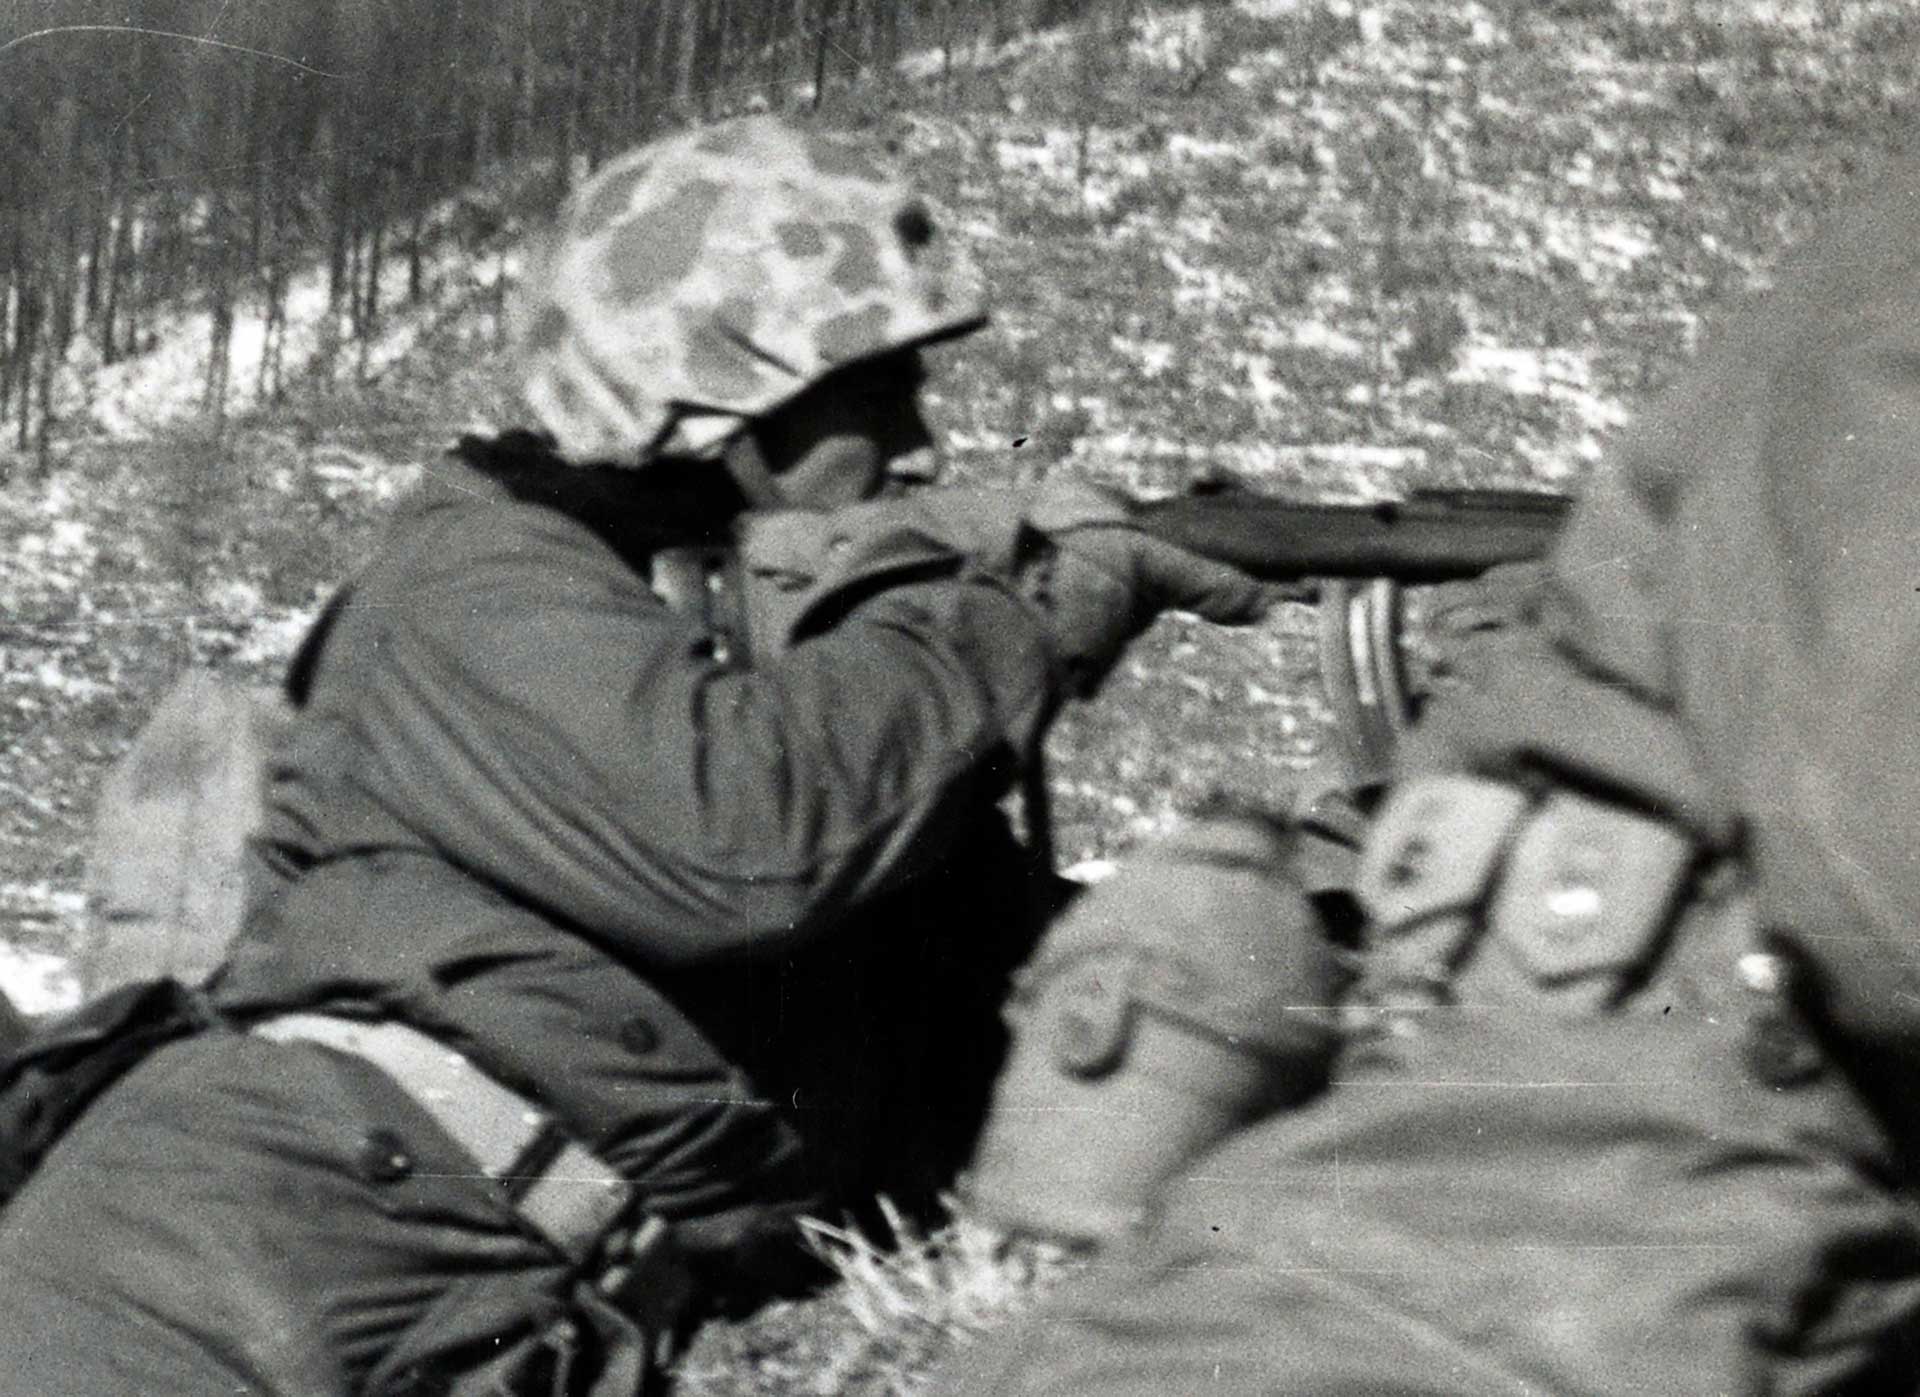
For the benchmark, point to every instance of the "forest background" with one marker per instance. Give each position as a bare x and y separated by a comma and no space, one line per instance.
257,260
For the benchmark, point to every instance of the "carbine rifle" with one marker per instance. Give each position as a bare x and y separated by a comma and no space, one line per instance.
1356,560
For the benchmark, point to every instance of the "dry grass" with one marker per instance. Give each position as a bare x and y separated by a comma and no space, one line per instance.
900,1304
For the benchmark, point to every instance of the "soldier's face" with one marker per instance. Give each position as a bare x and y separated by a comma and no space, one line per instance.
833,445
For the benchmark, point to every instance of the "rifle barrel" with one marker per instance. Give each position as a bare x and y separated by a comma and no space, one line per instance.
1429,536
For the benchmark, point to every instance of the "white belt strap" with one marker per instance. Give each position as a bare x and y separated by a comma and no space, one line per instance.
566,1193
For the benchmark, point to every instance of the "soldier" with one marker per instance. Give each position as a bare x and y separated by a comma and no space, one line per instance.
620,893
1623,1102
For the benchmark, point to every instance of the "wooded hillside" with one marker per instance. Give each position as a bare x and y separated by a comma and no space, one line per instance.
168,149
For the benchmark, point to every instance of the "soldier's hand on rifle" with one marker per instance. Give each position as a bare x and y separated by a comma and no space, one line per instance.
1100,581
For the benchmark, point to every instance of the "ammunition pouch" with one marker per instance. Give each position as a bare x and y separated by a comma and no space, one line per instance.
1170,1005
1477,890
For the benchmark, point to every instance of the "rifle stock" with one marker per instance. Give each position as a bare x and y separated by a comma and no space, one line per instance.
1356,558
1428,536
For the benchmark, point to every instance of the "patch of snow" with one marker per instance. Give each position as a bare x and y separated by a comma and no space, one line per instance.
1257,66
1600,245
38,982
1175,41
1319,335
273,638
1055,155
49,677
1204,286
1181,146
1620,244
1789,14
930,62
1564,376
1154,357
234,598
1100,195
343,472
1204,228
1663,186
65,539
1090,871
1267,391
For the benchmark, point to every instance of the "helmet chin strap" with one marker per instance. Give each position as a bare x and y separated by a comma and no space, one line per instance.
747,464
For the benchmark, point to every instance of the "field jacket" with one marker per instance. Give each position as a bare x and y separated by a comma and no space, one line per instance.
527,805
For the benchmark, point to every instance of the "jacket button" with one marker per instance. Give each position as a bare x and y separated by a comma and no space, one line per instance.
1412,861
384,1157
639,1036
1779,1053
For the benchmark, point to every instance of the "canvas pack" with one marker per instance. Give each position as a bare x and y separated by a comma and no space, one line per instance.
166,868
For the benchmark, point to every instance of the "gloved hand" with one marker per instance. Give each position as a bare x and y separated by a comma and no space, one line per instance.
1099,581
1471,624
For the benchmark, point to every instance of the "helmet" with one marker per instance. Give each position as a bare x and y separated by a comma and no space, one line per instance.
703,280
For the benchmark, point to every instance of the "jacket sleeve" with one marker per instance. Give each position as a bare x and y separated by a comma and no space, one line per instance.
528,708
1739,638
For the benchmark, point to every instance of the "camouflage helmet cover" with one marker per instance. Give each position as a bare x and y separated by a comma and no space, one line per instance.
705,279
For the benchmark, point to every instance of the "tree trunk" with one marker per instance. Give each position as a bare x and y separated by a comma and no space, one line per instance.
886,38
567,128
946,50
67,251
120,251
98,230
768,41
42,438
356,243
376,263
24,344
218,277
12,302
821,44
605,69
720,41
802,12
524,110
334,161
687,84
266,383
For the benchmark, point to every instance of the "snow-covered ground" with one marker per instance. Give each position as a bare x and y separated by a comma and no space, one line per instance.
37,982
